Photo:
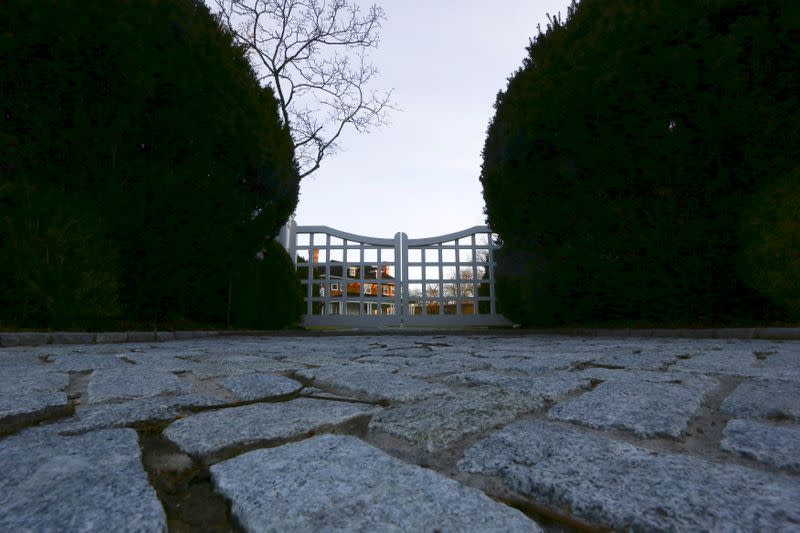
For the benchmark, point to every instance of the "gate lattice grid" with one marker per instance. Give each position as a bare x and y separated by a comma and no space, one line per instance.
354,280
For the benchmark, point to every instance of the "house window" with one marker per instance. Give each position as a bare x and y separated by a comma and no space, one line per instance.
352,271
386,291
334,286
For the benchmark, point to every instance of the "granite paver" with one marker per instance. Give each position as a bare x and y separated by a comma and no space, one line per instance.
775,399
626,433
437,423
16,408
371,382
210,435
643,406
645,356
630,488
249,387
549,387
92,482
86,362
338,483
132,413
437,365
770,444
546,361
133,382
215,366
739,358
30,391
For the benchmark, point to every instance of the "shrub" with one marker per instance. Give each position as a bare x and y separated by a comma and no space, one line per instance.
149,126
623,152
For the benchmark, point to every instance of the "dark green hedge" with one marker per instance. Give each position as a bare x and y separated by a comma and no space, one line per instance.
143,167
631,151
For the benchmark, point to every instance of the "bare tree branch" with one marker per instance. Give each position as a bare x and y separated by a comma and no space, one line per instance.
313,54
463,290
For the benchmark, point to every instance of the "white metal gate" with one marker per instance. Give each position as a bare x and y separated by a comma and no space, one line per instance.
354,280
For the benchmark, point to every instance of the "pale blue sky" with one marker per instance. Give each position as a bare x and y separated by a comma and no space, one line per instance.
446,60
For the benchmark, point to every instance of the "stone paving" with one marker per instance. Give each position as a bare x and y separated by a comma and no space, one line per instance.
444,432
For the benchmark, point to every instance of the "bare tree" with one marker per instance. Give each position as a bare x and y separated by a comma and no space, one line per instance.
313,54
463,290
431,291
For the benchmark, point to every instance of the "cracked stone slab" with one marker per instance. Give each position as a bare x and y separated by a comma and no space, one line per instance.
437,423
647,358
549,387
93,482
158,358
133,382
736,360
319,393
630,488
30,407
369,382
537,364
437,366
210,435
779,400
117,415
232,365
81,362
769,444
21,377
340,484
259,386
620,374
312,360
391,363
646,408
30,393
785,362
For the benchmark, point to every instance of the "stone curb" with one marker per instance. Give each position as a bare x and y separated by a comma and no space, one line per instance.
707,333
105,337
64,337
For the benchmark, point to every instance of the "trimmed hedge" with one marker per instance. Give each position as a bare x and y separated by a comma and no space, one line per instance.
627,153
143,166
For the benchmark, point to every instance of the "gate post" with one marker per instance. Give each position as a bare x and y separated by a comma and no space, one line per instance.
490,266
401,273
288,238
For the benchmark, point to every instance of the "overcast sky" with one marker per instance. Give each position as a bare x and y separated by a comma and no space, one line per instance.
446,60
